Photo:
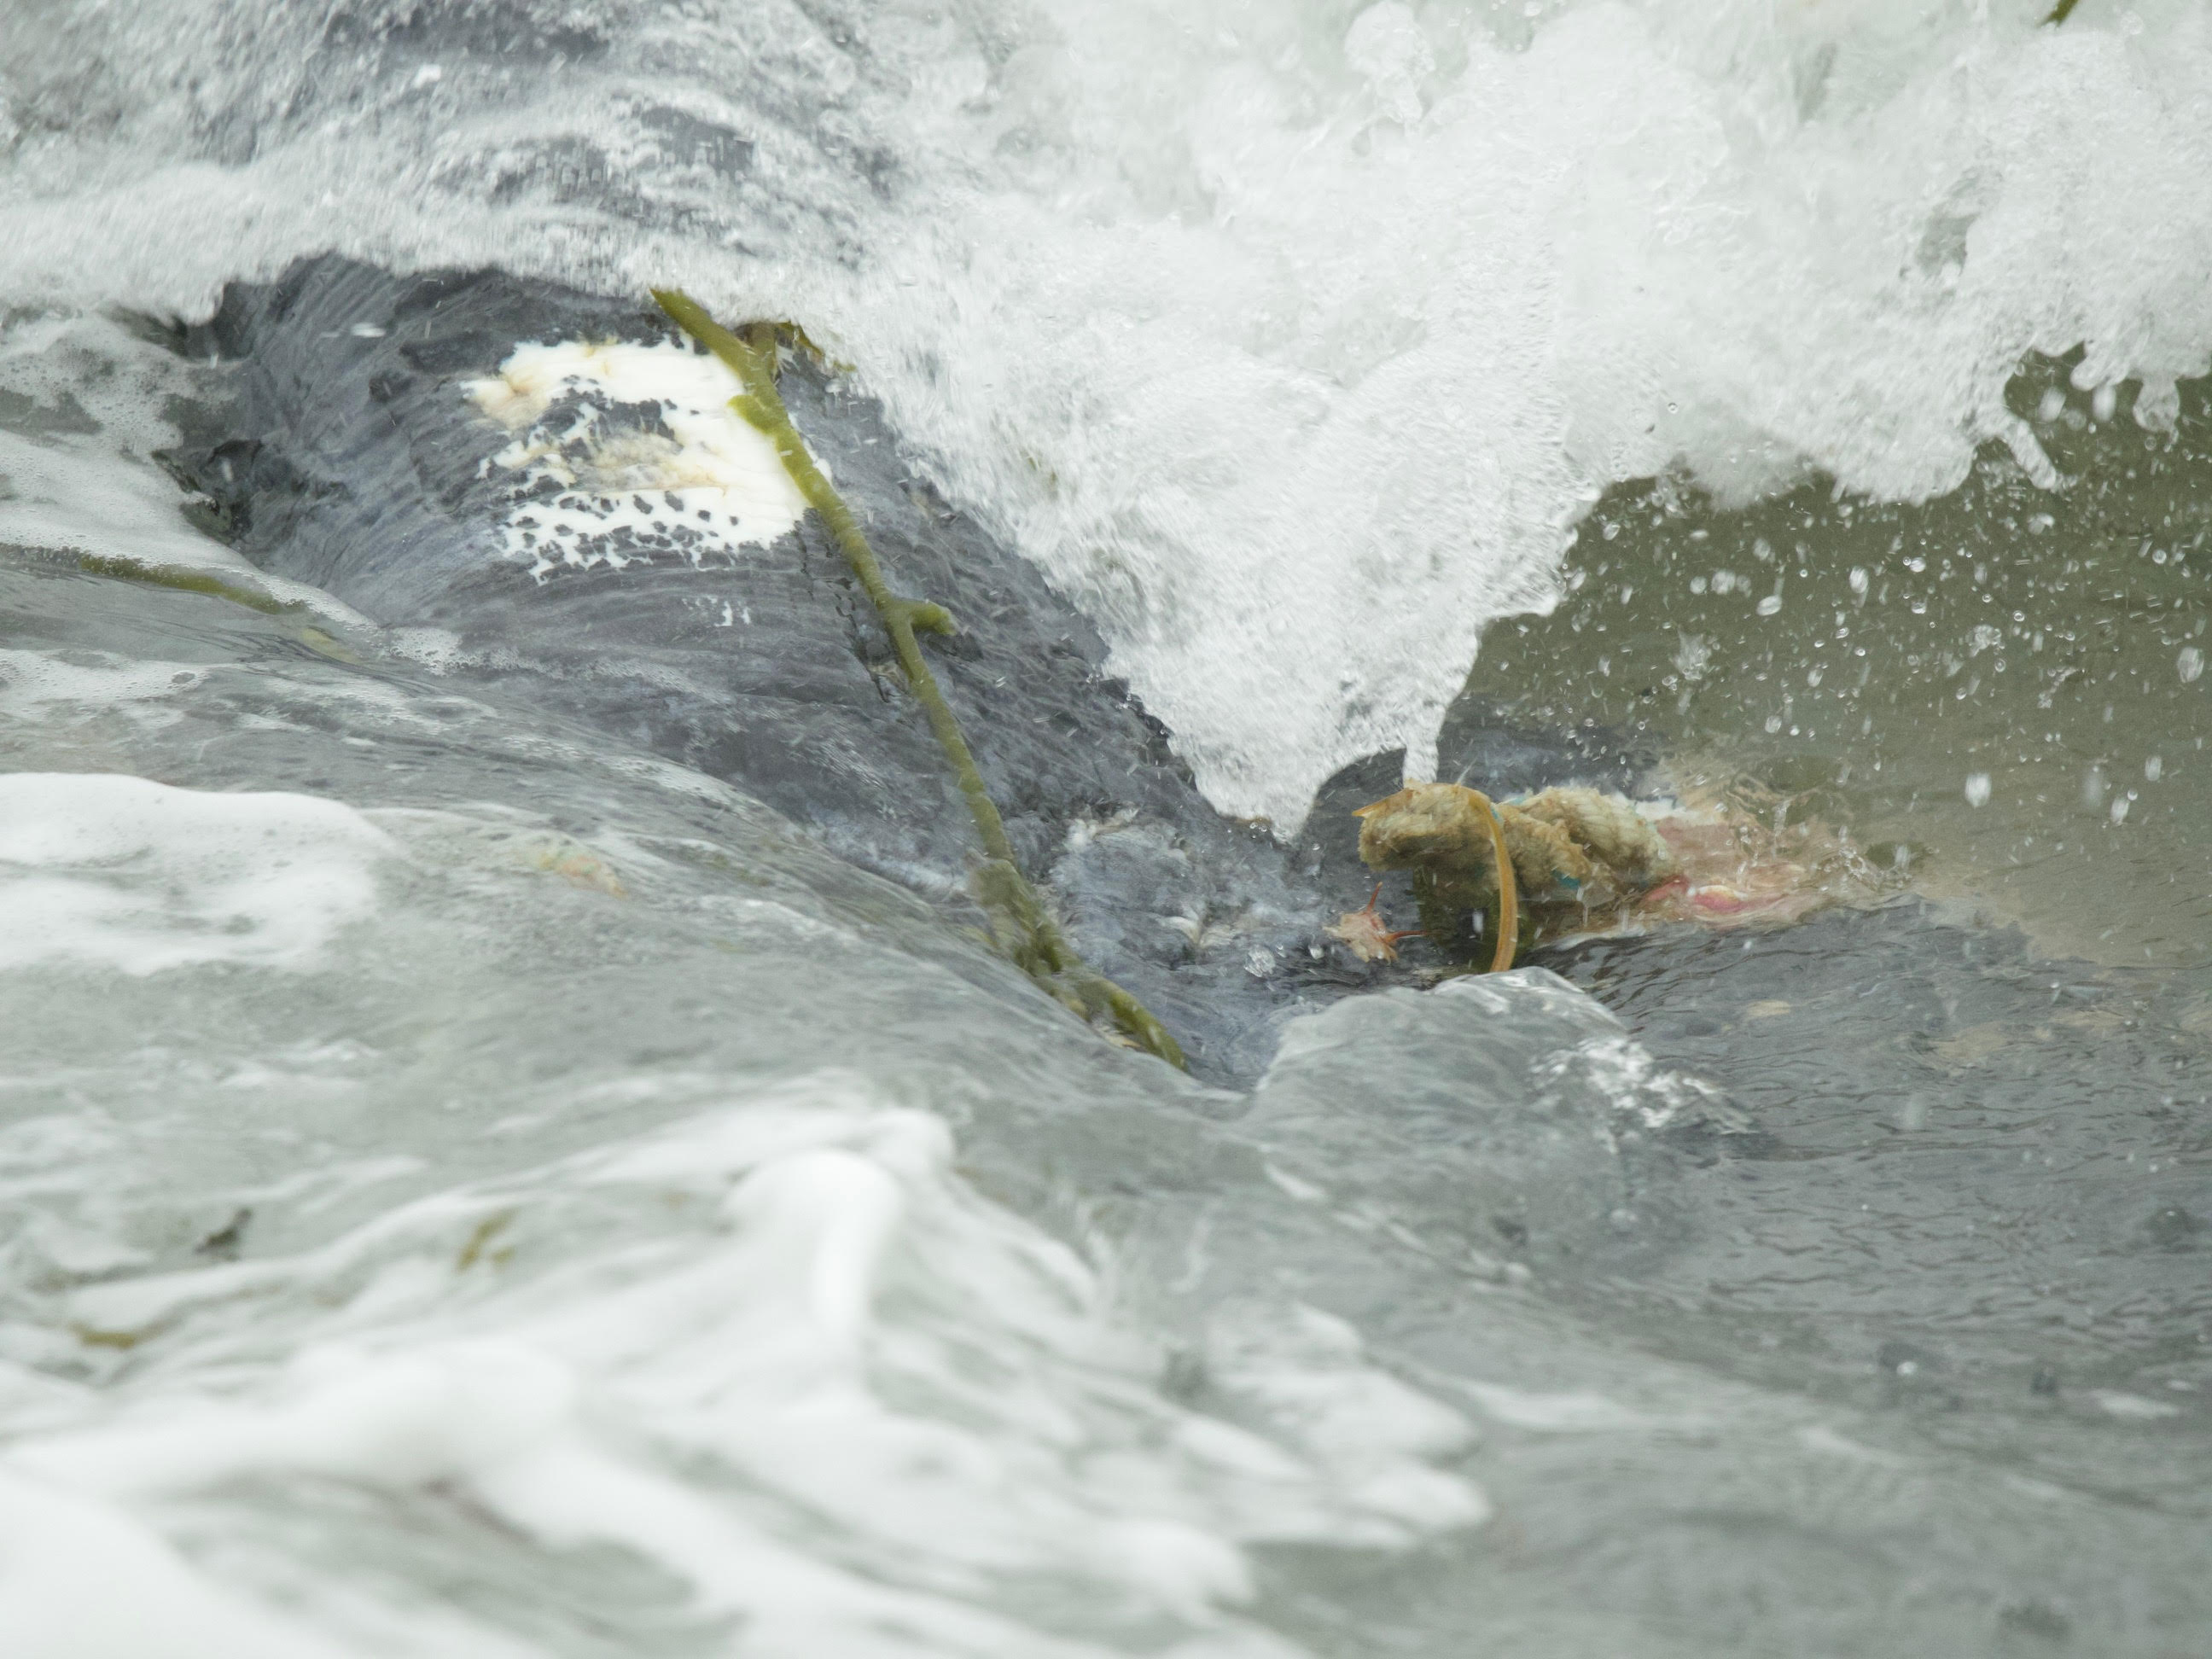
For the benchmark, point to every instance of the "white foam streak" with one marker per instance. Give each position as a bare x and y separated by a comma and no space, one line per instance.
703,1346
107,871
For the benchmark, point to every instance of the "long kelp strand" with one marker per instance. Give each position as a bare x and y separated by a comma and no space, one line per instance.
1022,923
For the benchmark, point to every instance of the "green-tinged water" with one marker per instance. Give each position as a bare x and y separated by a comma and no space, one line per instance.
514,1142
1999,691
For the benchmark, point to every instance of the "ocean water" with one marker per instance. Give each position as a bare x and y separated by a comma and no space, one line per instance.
496,1165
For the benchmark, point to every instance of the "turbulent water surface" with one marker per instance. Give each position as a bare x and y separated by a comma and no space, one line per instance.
514,1138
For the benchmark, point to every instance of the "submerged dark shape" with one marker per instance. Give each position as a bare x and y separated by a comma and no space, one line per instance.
374,479
1021,921
350,456
1921,1199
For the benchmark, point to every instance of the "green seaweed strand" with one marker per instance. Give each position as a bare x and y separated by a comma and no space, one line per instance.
1022,925
185,579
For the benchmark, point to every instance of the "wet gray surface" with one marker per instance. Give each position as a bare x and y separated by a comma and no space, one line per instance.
1977,1177
1943,1168
359,466
1867,1256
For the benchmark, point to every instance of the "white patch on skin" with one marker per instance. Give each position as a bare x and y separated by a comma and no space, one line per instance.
713,484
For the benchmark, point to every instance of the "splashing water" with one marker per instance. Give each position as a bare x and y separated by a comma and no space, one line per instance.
470,1185
1290,342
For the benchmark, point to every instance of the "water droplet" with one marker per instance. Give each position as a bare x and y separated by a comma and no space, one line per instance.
2189,664
1977,789
2153,768
1770,604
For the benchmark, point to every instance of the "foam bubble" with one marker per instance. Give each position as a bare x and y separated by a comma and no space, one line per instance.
111,872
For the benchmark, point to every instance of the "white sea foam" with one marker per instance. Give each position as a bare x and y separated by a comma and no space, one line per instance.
82,1579
112,872
700,1346
1290,339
